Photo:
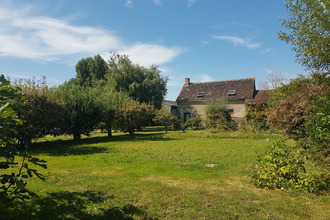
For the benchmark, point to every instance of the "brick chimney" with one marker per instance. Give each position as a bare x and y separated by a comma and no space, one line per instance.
187,82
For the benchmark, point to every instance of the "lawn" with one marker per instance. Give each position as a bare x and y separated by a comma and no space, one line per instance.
192,175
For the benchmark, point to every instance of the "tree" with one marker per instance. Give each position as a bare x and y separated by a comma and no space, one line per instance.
90,69
83,111
309,28
133,116
256,115
144,85
274,81
165,118
110,101
40,112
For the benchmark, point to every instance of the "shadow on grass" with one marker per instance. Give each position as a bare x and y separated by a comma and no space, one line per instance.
83,146
70,205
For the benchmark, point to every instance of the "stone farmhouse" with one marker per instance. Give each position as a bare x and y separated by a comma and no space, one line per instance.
238,93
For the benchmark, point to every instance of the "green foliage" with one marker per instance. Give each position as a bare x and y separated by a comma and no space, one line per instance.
141,83
110,101
83,111
194,124
291,105
40,112
8,117
133,116
309,28
13,186
283,168
256,115
91,69
218,116
318,131
164,117
279,168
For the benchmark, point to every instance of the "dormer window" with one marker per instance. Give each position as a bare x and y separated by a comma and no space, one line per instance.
200,94
231,92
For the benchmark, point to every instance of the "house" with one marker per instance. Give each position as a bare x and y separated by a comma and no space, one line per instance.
239,92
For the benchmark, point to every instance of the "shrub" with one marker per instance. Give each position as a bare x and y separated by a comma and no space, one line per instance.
256,116
164,117
218,116
133,116
283,168
193,124
279,168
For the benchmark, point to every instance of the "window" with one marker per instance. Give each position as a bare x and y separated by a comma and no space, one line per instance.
231,92
200,94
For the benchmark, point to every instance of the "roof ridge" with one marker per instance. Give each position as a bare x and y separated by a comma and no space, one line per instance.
251,78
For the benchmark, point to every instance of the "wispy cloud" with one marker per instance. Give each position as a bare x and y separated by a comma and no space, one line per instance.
48,39
238,41
157,2
190,3
267,50
205,78
129,4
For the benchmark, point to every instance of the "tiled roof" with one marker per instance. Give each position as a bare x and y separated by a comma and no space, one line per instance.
261,97
244,89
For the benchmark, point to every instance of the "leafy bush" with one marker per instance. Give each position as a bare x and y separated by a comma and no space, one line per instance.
193,124
164,117
282,168
133,116
279,168
218,116
256,115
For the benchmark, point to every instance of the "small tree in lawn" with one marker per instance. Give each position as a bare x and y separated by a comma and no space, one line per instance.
39,111
83,110
165,118
133,116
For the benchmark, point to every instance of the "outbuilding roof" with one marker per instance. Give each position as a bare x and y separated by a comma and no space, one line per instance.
261,97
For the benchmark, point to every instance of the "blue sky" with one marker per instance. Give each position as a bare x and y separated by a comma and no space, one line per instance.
202,39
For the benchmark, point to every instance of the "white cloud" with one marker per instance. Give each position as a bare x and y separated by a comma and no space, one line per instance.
267,50
147,54
48,39
205,78
129,4
237,41
190,3
157,2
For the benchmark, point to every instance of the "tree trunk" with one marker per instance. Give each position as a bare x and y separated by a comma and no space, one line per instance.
27,144
76,137
109,133
131,132
165,129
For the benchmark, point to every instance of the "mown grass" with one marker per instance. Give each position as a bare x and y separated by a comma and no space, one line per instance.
193,175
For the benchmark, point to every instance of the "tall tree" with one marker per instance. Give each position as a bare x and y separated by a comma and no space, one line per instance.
309,32
144,85
90,69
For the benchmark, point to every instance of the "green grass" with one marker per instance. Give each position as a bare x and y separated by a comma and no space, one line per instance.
193,175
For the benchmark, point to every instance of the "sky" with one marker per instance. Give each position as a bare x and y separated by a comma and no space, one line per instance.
205,40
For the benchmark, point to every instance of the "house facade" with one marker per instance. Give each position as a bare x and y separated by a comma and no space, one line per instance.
192,98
